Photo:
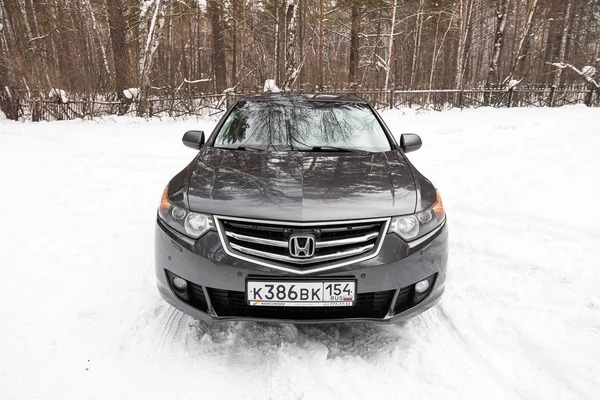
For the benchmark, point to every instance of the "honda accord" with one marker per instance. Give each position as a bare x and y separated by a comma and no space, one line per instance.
301,209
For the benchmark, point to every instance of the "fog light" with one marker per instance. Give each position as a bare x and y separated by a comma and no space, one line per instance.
179,283
422,287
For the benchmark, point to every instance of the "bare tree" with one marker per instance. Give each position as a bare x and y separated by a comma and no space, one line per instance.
502,17
215,13
521,53
417,37
292,68
563,41
117,28
465,11
234,41
320,45
388,63
354,43
150,40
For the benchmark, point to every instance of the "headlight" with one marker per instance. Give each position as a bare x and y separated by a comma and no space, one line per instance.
410,227
189,223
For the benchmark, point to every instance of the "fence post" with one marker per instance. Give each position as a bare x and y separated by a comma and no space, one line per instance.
460,99
84,110
589,97
510,96
35,110
552,98
392,103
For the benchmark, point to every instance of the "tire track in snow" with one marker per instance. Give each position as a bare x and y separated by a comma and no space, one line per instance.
170,324
464,343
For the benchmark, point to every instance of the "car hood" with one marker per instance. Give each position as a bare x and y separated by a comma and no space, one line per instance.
300,186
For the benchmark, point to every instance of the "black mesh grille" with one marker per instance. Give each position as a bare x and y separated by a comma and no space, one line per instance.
227,303
404,301
197,298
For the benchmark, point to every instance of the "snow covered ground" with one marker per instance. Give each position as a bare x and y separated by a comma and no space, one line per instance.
81,319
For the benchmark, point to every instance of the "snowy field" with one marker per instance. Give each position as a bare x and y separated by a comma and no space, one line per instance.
81,317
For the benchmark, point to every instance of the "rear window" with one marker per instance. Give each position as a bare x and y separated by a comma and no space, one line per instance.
302,125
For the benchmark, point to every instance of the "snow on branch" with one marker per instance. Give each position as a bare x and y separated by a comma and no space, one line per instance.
197,80
131,93
586,72
42,36
380,63
513,83
185,80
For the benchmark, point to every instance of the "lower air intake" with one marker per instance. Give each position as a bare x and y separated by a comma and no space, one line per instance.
227,303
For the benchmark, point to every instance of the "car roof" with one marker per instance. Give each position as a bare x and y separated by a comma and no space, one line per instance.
334,97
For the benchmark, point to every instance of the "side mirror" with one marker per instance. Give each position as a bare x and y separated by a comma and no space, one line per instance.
193,139
410,142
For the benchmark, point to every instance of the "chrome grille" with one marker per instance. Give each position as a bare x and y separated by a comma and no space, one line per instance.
269,241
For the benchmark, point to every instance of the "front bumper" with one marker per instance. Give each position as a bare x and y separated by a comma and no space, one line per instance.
215,276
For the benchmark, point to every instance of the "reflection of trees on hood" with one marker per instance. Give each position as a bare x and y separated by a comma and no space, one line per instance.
281,178
335,177
227,175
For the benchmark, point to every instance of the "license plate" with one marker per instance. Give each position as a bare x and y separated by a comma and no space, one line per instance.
301,293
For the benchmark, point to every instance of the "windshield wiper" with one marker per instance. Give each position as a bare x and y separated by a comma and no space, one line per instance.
335,149
246,148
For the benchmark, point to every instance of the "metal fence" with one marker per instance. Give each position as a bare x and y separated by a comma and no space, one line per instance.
214,104
45,110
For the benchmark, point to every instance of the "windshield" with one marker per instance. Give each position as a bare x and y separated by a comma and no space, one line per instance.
302,125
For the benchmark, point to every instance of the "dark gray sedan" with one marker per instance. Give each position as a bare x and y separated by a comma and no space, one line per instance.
301,209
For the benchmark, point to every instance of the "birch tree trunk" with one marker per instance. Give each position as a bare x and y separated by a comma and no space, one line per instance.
301,19
320,45
152,41
97,31
354,44
464,34
24,19
291,60
5,91
34,20
417,52
234,17
148,51
390,46
521,49
437,49
277,45
563,41
501,16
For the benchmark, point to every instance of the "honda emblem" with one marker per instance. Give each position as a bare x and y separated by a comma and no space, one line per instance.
302,246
